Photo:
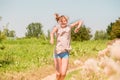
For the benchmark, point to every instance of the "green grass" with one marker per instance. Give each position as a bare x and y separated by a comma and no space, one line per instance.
75,75
87,49
24,54
78,75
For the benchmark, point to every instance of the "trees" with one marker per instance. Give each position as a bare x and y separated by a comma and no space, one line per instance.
6,32
115,33
48,33
2,36
100,35
109,29
83,34
12,33
34,30
113,29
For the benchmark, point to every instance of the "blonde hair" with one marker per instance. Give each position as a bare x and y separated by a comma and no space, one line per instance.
58,17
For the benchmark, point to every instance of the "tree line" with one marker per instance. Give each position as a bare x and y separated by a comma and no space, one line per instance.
35,30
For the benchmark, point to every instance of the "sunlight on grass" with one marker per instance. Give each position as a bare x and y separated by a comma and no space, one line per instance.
22,55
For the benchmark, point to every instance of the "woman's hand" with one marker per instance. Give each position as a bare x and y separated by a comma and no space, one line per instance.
76,30
51,41
76,24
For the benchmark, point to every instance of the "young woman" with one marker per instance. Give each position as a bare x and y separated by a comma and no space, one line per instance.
61,53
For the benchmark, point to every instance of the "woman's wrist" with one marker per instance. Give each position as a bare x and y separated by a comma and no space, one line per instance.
78,27
80,24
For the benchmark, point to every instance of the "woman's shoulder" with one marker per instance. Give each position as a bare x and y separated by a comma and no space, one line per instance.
69,26
57,26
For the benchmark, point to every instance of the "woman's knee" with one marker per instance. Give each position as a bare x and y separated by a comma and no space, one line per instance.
63,74
58,74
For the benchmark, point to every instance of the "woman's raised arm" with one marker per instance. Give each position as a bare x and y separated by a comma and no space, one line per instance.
76,24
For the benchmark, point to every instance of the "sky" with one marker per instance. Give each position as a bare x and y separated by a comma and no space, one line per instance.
96,14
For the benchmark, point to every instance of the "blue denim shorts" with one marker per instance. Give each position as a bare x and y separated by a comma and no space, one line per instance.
61,55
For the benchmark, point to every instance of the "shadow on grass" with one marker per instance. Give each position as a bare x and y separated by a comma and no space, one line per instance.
5,63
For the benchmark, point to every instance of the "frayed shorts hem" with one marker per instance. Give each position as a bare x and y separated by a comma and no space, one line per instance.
61,55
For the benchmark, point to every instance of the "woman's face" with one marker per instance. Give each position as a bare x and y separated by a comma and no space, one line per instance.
63,21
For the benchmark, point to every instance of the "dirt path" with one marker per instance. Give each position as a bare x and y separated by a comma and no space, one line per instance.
52,76
42,73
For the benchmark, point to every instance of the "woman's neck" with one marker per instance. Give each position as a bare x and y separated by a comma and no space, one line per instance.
63,26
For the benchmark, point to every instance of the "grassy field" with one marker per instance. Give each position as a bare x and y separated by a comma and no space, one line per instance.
78,75
22,55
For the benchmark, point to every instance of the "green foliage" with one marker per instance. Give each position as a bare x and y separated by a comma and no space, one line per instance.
109,28
79,75
87,48
11,33
2,36
115,33
8,33
100,35
34,30
23,55
113,30
48,33
83,34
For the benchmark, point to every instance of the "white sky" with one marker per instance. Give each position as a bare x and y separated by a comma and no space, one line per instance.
96,14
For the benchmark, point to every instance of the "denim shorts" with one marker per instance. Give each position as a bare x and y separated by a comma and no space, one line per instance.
61,55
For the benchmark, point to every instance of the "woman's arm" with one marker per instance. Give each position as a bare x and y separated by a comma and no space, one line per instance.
52,35
76,24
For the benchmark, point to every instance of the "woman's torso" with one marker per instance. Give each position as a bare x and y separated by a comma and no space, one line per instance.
63,39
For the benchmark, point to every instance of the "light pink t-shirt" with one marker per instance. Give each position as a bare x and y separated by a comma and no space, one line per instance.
63,39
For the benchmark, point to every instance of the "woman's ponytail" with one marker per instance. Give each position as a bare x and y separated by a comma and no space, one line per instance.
57,17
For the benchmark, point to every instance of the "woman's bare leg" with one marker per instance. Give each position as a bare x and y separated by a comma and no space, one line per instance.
64,67
58,63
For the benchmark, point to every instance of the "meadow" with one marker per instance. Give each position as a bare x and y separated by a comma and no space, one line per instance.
24,55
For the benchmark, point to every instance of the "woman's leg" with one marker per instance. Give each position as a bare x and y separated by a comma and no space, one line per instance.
64,67
58,63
